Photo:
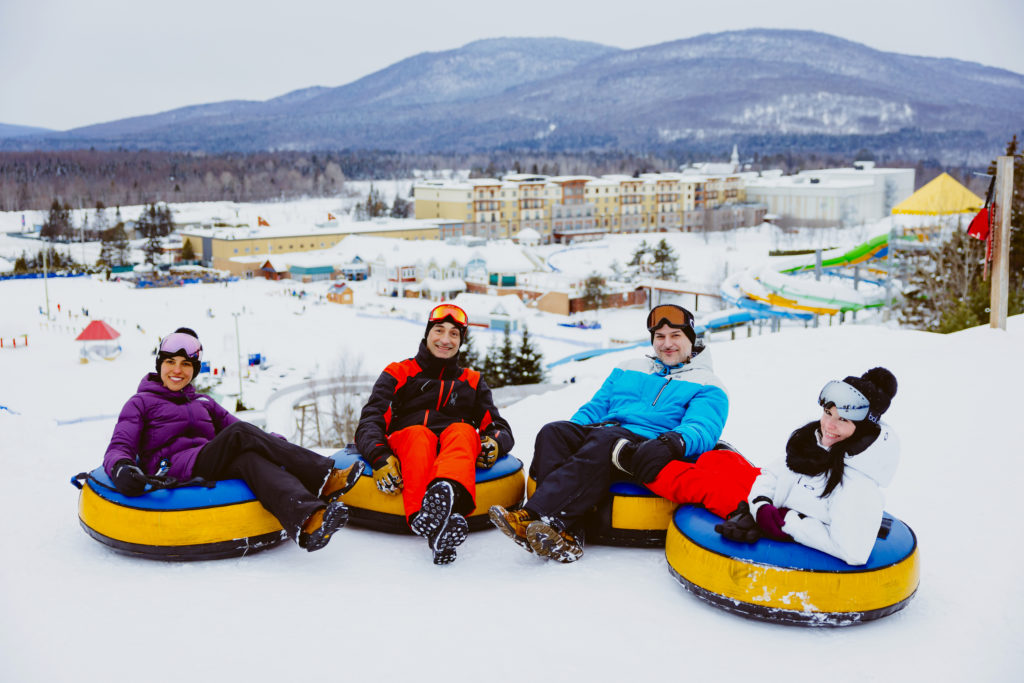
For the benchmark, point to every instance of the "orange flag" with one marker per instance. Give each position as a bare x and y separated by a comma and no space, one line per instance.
330,216
261,221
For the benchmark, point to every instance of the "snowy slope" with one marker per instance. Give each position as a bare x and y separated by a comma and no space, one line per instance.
372,607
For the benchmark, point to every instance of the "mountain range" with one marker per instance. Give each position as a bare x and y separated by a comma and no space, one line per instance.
768,90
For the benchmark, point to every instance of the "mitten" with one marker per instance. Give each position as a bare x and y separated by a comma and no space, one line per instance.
770,521
489,452
129,479
740,525
388,476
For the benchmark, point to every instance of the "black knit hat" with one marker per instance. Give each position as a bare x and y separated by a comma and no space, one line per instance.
879,387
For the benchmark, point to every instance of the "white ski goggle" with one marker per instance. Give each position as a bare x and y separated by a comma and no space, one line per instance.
848,401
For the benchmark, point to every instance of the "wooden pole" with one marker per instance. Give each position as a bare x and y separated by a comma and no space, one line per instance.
1000,295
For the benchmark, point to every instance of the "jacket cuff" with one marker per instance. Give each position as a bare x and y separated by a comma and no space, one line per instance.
379,456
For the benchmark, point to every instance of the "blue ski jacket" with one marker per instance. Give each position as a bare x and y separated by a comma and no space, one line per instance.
648,398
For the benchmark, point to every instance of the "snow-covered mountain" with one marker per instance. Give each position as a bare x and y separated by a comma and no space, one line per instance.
767,89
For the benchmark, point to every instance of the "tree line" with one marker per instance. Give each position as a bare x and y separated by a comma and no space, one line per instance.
81,178
505,363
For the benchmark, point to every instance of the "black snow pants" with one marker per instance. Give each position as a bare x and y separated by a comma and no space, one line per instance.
285,478
572,465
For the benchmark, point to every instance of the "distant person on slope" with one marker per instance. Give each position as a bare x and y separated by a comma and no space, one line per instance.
826,493
167,428
428,424
668,407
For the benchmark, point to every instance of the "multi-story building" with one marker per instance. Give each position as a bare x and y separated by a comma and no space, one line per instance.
572,216
225,248
574,208
832,197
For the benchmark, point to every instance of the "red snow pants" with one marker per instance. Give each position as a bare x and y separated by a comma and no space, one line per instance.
426,456
719,480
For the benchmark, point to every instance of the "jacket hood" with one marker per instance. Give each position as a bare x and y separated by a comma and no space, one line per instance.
879,460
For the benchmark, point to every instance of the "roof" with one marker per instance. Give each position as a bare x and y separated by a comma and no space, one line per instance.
943,195
98,330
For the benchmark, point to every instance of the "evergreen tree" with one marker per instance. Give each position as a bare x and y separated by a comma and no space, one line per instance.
506,357
638,254
375,205
187,252
666,262
946,292
153,248
114,247
163,220
100,222
21,264
469,357
595,291
499,362
528,368
58,222
401,207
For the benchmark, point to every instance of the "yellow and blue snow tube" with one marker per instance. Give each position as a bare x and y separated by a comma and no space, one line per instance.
630,515
187,523
503,484
790,583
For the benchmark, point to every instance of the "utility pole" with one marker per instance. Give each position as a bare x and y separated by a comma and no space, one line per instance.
238,357
1000,292
46,288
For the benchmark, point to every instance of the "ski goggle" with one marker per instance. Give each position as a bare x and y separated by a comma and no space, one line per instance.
457,315
670,314
178,342
848,401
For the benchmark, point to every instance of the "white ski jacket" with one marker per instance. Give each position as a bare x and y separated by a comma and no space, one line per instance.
845,523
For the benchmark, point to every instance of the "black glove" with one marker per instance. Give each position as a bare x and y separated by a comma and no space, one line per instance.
129,479
740,525
652,455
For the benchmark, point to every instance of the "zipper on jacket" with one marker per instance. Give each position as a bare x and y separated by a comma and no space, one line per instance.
655,402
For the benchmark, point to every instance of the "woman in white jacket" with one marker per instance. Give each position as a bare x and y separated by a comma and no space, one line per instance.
826,493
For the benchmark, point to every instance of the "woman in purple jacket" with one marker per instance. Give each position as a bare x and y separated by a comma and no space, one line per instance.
168,428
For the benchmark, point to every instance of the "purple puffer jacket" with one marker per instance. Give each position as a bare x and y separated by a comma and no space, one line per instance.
158,423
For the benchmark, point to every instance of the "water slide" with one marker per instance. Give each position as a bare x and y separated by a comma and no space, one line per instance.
789,287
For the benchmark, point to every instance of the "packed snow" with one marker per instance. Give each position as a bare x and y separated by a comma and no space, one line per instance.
371,606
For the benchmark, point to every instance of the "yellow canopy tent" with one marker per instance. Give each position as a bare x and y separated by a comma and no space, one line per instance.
943,195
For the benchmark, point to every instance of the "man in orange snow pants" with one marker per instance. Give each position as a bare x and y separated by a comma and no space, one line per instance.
428,424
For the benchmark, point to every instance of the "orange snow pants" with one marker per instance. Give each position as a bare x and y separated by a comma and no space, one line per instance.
719,480
426,456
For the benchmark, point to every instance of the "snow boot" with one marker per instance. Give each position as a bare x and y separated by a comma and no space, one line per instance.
340,482
443,528
512,524
550,539
436,507
321,525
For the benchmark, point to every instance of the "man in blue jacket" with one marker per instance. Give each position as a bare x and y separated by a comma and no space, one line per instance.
649,412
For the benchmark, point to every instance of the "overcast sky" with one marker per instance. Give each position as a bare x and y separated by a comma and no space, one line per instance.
69,63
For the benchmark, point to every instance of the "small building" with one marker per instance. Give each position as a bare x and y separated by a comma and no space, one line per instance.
272,272
99,340
311,273
340,293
